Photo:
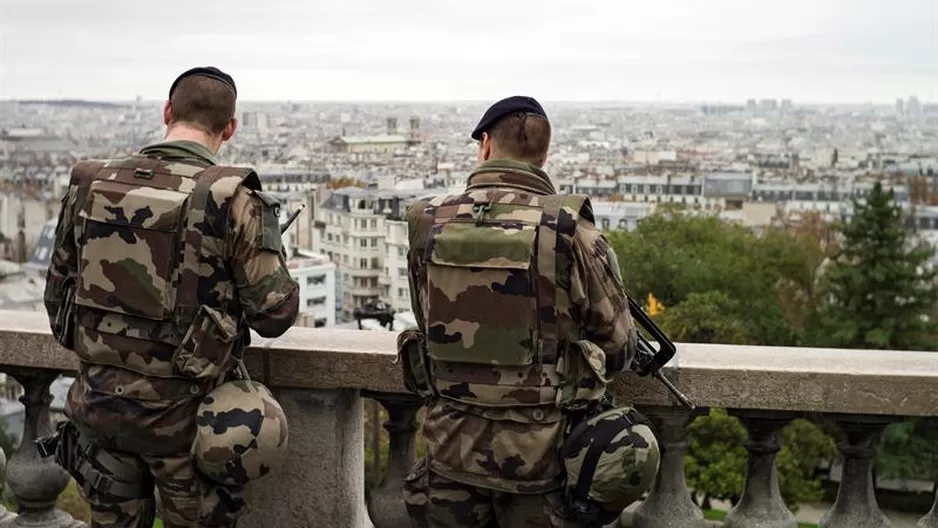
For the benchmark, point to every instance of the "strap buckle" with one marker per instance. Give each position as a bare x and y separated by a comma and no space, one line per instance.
479,210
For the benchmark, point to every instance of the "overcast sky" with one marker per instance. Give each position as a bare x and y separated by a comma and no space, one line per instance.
668,50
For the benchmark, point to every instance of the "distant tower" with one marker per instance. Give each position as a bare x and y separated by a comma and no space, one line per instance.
392,125
414,125
21,235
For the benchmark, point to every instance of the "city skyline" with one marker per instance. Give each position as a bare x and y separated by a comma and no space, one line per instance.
723,51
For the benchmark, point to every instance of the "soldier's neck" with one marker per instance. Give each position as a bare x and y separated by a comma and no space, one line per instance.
181,132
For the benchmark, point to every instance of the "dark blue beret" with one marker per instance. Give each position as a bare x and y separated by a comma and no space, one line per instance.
205,71
512,105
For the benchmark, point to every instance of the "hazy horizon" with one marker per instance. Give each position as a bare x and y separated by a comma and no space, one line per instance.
409,51
375,101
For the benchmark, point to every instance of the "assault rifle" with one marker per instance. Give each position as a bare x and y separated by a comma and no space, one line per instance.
647,360
286,225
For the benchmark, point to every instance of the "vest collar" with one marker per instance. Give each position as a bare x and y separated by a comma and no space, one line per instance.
509,173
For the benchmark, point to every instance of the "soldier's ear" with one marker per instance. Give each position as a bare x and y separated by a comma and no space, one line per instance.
485,147
229,130
167,113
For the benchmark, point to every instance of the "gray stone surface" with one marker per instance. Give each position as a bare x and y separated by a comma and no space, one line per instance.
761,504
322,483
745,377
317,373
669,504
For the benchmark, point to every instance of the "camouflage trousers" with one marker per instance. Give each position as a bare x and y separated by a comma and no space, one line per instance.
187,499
434,501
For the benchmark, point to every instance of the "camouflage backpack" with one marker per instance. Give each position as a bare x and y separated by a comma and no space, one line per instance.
611,459
148,234
496,317
241,433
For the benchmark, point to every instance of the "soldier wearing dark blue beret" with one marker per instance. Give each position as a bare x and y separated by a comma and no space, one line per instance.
514,129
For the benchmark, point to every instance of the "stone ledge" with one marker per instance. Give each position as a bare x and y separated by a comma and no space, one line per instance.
772,378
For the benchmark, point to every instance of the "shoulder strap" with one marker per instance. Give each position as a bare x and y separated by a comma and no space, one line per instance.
554,228
188,293
83,173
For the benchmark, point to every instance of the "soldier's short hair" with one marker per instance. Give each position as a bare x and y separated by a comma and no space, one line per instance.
203,101
522,137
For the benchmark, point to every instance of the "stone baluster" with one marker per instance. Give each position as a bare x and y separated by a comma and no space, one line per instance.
930,520
856,505
386,500
36,482
761,504
6,517
669,504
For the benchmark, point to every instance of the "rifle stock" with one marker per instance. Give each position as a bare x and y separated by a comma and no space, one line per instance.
648,361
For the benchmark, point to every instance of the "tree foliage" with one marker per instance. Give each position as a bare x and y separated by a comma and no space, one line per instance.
724,283
674,255
880,292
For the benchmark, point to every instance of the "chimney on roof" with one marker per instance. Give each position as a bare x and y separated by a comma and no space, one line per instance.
392,126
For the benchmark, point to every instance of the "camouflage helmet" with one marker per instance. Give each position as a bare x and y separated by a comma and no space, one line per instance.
611,460
241,433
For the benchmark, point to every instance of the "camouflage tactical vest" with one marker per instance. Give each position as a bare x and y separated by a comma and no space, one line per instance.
497,267
153,295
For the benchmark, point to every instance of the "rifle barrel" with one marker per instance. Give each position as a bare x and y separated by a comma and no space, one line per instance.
293,215
689,405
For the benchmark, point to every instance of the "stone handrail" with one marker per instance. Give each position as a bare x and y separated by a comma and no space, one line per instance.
320,375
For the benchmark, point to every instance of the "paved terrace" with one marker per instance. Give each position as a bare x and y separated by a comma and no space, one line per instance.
321,375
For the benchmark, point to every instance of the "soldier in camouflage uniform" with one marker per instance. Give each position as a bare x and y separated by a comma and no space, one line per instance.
522,322
163,260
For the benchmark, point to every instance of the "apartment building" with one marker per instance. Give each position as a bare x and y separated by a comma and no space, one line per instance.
316,276
395,280
620,215
350,231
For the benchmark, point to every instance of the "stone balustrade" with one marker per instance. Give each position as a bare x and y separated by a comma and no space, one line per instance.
321,376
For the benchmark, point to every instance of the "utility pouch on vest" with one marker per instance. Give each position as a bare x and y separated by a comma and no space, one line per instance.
582,370
205,351
482,307
130,248
411,353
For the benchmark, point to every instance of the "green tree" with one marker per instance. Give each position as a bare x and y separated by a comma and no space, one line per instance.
674,255
715,463
880,292
704,318
721,283
909,450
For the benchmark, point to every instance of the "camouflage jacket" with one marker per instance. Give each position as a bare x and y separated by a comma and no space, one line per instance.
515,449
141,324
